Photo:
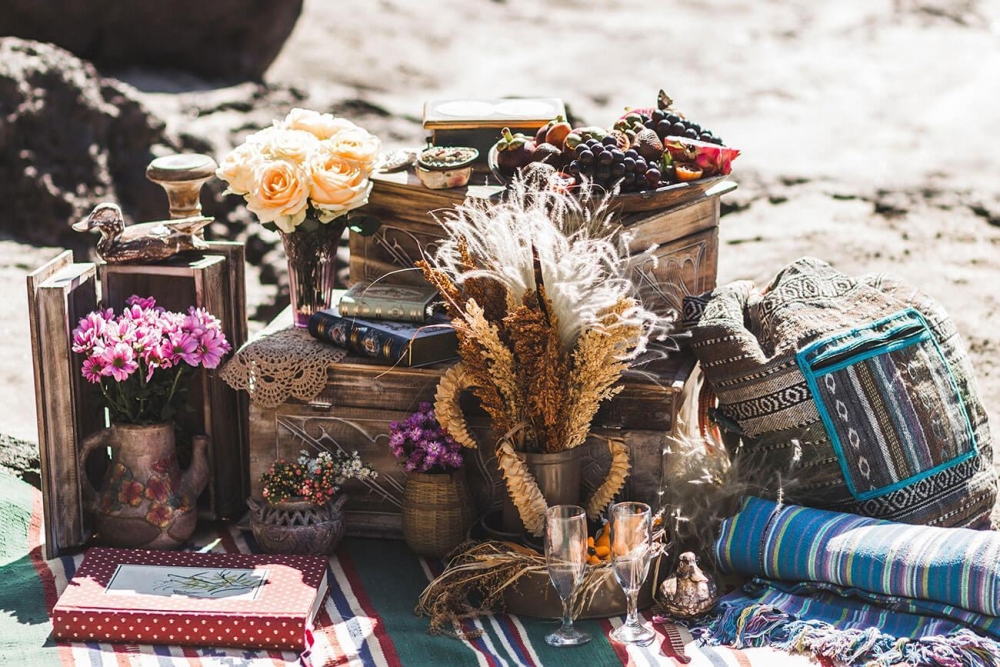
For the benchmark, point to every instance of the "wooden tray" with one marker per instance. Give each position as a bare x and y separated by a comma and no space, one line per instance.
645,200
533,595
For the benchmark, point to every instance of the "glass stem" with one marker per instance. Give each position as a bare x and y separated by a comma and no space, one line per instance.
632,618
567,619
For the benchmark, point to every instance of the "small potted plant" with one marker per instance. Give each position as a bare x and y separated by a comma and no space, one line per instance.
437,506
302,511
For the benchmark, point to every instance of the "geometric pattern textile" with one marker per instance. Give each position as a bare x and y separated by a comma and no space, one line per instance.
366,621
848,394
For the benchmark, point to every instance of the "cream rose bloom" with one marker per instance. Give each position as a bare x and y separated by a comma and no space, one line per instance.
292,145
336,184
357,144
320,125
236,169
279,194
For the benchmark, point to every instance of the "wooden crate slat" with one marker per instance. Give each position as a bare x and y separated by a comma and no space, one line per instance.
59,294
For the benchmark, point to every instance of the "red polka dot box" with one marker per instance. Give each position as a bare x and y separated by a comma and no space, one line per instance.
203,599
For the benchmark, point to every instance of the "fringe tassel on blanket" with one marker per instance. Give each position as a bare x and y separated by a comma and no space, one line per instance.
759,625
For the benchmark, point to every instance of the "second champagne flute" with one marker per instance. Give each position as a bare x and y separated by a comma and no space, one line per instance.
631,553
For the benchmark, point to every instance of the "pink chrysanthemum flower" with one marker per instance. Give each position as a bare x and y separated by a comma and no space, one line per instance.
144,303
198,321
184,347
119,361
92,369
212,346
122,330
88,332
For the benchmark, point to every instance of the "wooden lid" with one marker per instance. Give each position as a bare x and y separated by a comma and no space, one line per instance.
182,167
491,113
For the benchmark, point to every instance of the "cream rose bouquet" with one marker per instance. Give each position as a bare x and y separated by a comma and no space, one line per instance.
308,165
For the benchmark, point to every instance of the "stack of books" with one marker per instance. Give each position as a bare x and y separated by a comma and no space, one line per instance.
397,324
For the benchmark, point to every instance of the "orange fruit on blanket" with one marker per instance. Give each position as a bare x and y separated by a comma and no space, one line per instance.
687,172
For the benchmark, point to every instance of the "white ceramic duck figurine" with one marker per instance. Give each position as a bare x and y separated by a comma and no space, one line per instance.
145,242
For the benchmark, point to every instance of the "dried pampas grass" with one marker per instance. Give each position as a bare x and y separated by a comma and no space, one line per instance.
539,287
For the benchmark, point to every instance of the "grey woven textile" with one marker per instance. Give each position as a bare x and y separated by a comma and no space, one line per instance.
858,391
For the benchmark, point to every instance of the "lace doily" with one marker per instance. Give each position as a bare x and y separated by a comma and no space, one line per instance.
281,363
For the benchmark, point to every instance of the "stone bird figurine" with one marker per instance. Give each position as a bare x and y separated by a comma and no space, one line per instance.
145,242
688,592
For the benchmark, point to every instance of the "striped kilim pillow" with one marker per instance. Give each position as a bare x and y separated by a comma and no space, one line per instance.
859,386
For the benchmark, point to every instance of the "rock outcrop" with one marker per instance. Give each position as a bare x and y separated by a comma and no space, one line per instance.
230,39
68,139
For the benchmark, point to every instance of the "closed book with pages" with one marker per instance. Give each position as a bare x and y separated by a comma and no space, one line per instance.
384,301
403,343
253,601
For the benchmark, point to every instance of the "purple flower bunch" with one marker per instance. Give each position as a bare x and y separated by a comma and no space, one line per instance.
422,445
138,358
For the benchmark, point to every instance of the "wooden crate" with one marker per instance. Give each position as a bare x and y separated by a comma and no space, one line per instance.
361,398
685,235
59,294
213,280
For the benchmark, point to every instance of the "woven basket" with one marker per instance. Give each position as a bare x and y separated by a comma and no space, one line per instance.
437,512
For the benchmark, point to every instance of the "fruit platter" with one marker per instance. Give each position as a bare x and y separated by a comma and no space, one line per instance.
650,158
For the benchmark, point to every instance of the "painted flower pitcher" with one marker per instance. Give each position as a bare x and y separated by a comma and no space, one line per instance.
144,500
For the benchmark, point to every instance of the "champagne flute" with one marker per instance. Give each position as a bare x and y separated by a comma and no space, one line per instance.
631,553
566,557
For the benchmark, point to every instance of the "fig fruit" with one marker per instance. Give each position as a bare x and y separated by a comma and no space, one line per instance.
536,174
648,145
546,152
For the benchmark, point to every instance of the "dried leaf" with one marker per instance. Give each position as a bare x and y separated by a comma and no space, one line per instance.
447,408
614,482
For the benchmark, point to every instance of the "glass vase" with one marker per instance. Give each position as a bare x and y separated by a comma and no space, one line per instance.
311,251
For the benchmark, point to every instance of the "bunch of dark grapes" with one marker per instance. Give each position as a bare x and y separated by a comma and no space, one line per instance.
605,164
667,123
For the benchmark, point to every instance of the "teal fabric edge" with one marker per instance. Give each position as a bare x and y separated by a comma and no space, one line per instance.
805,367
908,313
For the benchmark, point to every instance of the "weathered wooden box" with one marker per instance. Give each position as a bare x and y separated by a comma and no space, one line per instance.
361,398
685,236
59,294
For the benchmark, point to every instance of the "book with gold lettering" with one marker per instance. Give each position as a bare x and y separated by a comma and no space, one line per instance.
385,301
402,343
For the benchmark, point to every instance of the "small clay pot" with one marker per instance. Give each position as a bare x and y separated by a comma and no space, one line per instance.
295,526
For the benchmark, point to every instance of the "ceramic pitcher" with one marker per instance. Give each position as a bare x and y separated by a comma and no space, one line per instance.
144,500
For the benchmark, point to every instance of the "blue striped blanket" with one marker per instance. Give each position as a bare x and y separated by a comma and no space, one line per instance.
857,590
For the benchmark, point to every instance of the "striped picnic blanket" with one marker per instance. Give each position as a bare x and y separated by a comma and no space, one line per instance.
367,620
860,590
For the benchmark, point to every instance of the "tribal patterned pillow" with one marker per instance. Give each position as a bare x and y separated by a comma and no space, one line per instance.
861,388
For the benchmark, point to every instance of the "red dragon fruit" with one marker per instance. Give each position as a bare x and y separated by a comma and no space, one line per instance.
712,158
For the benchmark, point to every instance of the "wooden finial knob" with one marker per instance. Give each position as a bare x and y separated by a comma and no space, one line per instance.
182,177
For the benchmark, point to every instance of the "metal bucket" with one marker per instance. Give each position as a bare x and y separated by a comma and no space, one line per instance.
558,478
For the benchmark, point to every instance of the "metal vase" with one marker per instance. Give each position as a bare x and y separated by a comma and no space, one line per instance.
558,479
